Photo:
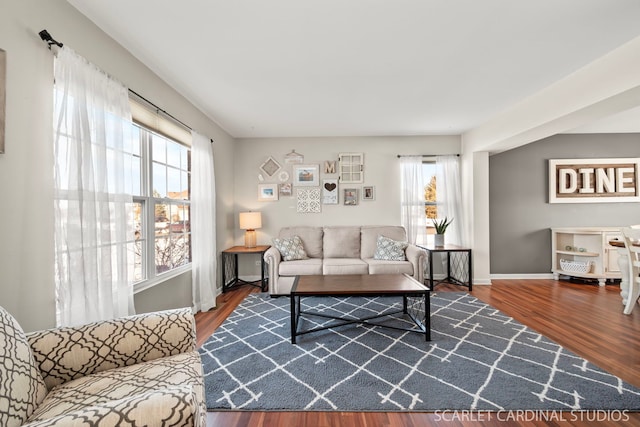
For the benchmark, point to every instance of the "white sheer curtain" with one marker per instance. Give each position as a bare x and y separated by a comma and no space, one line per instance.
203,219
92,209
448,196
412,198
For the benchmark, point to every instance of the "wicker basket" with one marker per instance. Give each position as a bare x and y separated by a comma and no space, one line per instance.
576,266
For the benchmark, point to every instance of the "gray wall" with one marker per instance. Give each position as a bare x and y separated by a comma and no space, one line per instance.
26,168
520,215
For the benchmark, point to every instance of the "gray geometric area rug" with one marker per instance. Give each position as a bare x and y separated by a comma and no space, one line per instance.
478,359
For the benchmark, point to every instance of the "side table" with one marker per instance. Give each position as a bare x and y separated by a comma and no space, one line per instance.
457,268
230,277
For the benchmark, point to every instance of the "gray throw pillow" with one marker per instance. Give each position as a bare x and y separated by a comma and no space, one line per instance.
291,248
390,250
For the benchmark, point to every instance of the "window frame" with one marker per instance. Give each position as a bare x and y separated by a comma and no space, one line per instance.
148,202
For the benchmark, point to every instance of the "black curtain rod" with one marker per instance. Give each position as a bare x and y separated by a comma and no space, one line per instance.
427,155
163,111
50,41
47,38
160,109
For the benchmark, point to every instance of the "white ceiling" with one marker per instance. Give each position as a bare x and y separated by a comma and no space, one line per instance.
284,68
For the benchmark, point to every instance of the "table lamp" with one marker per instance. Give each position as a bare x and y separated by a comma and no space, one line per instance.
249,221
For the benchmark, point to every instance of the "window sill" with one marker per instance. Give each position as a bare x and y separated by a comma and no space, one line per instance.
147,284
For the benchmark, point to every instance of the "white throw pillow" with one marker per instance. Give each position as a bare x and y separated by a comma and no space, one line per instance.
290,249
390,250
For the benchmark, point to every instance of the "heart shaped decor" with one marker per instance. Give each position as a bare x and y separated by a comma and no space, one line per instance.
330,186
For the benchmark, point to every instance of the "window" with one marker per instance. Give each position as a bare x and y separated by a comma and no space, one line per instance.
159,168
430,189
430,204
429,179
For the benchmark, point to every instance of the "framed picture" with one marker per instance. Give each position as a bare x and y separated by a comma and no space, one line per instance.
368,193
267,192
330,191
308,200
285,189
270,166
306,175
594,180
351,196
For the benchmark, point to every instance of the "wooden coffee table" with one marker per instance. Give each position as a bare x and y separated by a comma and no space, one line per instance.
350,285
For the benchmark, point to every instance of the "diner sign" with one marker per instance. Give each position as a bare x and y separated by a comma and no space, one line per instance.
594,180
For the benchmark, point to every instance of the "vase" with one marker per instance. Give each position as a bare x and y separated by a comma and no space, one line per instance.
439,239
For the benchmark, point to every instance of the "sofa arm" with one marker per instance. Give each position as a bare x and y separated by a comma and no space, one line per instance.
418,257
272,257
175,406
72,352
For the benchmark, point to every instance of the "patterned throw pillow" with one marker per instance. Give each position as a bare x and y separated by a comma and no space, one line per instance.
290,249
22,388
390,250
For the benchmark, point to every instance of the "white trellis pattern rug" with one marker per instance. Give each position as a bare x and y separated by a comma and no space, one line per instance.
478,359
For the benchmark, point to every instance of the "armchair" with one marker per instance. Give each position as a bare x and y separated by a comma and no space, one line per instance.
133,371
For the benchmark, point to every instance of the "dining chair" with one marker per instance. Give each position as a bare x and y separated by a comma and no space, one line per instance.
632,245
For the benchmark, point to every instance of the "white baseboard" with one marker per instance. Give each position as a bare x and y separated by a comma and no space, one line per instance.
522,276
442,276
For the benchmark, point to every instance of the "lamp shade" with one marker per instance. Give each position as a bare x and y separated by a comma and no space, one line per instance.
250,220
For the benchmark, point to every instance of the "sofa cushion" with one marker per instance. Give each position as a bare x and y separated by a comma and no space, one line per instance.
291,248
22,388
344,266
390,250
377,266
115,384
303,267
341,242
311,238
370,235
174,406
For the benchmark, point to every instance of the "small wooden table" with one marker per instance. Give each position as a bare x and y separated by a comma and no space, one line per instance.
455,268
230,277
348,285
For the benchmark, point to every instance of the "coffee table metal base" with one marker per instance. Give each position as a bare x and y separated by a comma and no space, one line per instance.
296,312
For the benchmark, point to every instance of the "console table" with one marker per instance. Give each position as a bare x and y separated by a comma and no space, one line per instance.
230,277
586,252
459,266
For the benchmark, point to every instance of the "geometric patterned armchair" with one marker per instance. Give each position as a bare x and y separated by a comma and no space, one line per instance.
140,370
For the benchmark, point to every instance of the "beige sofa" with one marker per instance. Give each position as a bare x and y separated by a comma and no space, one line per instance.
340,250
141,370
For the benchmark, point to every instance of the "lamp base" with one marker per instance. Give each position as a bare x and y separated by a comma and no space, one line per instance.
250,239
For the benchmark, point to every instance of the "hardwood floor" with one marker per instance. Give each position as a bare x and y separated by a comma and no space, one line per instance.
584,318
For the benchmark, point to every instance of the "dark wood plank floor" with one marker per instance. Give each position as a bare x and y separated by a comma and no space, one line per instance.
584,318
